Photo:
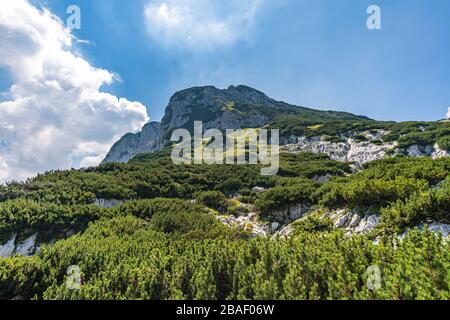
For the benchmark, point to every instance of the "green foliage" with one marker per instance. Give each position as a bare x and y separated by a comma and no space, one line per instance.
419,133
309,165
444,142
281,197
155,176
313,224
21,278
428,205
125,258
213,199
19,215
373,192
145,209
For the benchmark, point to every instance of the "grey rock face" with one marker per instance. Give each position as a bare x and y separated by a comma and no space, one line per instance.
429,151
435,227
146,141
348,151
290,214
352,222
7,249
26,247
108,203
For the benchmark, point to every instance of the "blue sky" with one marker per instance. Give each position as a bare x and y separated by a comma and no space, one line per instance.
315,53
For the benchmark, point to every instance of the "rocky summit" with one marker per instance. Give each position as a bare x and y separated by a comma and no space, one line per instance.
343,136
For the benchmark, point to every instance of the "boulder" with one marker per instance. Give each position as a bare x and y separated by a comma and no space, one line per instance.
275,226
341,222
368,223
27,247
354,221
258,189
108,203
435,227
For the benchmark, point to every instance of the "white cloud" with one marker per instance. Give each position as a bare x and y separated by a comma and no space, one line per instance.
55,115
200,24
448,113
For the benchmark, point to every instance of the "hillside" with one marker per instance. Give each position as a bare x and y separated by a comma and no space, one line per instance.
352,195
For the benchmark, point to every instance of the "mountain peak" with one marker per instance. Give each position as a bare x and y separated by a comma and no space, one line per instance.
240,93
248,95
235,107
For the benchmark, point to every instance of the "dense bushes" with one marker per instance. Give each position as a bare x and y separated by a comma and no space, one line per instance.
158,177
279,198
19,215
309,165
429,205
428,169
21,278
383,182
124,258
422,133
444,143
145,209
213,199
373,192
177,217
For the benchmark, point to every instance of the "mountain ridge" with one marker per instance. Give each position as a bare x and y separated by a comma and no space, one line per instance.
235,107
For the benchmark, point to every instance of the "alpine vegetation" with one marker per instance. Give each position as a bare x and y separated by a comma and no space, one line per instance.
240,145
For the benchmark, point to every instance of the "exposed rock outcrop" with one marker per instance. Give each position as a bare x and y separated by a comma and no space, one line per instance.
435,227
215,108
428,151
7,249
289,214
108,203
353,222
147,141
26,247
258,189
248,222
348,151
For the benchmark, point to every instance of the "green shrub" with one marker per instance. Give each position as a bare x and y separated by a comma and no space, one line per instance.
281,197
214,199
373,192
20,214
145,209
444,143
313,224
426,205
21,278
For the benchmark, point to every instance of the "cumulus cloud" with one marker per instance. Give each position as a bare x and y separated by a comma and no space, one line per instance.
54,115
448,113
200,24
